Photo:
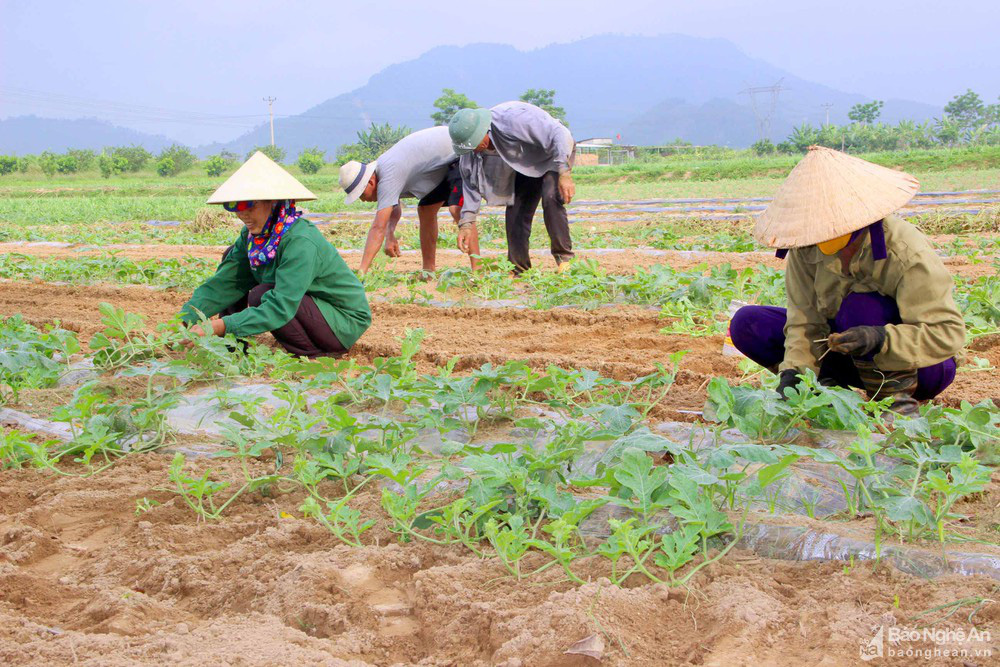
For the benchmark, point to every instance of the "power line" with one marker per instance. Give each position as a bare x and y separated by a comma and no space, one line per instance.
119,111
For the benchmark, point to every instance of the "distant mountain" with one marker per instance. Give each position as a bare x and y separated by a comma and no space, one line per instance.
650,90
23,135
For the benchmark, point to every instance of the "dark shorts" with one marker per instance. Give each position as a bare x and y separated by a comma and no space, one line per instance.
448,191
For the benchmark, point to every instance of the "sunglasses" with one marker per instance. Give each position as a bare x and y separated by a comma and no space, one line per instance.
234,206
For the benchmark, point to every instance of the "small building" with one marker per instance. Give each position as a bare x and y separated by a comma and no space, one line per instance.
602,151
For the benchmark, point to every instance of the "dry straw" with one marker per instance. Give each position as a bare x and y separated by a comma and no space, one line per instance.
829,194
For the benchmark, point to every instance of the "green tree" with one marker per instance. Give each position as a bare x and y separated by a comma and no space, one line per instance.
991,137
993,113
165,167
763,147
135,157
8,164
47,162
276,153
803,136
311,160
948,131
866,114
449,104
67,164
216,165
545,99
84,158
786,147
371,143
967,110
111,165
180,158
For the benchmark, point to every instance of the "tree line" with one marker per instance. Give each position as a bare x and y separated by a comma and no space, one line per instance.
170,161
967,120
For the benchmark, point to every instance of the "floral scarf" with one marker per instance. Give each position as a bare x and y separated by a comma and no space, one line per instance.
262,248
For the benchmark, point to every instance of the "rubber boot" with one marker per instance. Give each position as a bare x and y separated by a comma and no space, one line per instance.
880,384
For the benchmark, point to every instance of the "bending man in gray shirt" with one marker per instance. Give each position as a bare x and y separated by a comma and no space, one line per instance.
516,154
421,165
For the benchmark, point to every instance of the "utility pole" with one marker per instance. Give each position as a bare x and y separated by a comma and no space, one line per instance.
270,112
764,101
827,105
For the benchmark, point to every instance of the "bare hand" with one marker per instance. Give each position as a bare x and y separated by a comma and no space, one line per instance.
567,188
466,235
216,328
392,246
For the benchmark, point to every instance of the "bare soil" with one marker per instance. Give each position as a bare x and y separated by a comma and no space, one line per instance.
622,343
612,260
85,580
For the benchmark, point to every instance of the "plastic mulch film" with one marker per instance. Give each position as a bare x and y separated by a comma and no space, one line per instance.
800,543
808,488
203,412
79,372
22,420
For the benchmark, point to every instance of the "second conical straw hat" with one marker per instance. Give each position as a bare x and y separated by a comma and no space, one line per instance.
260,178
829,194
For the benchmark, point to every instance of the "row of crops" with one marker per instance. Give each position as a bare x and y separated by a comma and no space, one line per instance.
536,469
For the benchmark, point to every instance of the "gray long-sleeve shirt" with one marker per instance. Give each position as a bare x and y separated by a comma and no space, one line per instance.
527,140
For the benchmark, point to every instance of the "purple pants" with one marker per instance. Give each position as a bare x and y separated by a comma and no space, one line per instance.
759,333
307,334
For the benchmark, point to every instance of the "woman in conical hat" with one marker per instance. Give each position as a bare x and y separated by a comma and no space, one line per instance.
281,275
869,301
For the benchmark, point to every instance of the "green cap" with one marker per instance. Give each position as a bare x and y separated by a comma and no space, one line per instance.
467,129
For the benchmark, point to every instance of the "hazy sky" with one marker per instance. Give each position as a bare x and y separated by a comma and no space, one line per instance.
214,60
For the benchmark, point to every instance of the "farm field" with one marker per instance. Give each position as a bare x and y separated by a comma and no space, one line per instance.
555,469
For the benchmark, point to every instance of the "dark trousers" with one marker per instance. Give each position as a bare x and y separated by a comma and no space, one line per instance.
307,334
758,332
527,193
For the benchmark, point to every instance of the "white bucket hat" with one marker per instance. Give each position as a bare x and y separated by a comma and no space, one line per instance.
354,177
260,178
830,194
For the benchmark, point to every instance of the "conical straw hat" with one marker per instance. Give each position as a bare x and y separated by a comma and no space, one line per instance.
260,178
829,194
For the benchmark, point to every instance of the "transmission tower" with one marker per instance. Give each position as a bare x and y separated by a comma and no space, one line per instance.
764,101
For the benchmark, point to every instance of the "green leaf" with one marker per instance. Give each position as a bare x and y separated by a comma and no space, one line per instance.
641,480
643,439
451,447
908,508
768,474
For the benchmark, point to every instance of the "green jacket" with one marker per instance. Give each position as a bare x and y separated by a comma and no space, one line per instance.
932,328
306,263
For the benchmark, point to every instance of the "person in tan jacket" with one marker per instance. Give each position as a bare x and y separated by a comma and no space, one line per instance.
869,301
